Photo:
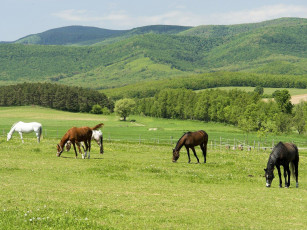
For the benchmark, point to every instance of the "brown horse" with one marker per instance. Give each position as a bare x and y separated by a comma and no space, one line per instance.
190,140
76,135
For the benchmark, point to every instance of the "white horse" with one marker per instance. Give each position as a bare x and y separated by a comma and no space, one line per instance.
22,127
96,135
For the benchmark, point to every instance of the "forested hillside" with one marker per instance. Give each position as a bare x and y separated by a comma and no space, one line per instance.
152,53
83,35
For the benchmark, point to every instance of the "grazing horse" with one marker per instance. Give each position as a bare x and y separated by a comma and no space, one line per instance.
190,140
282,154
75,135
96,135
22,127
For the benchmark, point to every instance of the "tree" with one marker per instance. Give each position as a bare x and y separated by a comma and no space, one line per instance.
96,109
124,107
299,118
259,90
282,98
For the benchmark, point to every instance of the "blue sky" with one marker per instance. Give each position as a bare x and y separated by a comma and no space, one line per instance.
19,18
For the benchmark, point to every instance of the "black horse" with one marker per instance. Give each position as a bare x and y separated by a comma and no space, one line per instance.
282,154
190,140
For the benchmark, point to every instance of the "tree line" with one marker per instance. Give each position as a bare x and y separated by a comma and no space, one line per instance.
55,96
244,109
208,80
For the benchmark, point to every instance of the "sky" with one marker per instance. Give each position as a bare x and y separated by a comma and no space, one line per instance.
19,18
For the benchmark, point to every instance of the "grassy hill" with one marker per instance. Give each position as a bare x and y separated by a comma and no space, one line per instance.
144,54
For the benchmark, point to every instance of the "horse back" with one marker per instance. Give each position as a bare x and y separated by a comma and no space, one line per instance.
79,134
196,138
285,152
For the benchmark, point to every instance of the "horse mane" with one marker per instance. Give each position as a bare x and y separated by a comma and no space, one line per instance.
279,147
181,138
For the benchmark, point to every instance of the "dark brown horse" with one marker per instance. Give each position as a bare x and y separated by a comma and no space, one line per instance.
190,140
76,135
282,154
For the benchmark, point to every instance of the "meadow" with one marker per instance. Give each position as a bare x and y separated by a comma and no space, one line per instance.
135,185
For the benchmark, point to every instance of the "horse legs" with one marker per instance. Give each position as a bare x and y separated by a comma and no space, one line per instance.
73,143
89,148
101,145
287,171
188,152
296,172
20,133
204,149
38,137
193,149
86,148
99,142
279,175
80,151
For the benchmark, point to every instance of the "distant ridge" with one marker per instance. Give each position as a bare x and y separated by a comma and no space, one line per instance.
70,35
84,35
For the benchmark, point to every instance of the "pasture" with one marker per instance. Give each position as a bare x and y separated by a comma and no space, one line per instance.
135,185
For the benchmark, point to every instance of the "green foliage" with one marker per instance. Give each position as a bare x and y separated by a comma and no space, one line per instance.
259,90
75,99
96,109
299,118
157,52
208,80
124,107
282,98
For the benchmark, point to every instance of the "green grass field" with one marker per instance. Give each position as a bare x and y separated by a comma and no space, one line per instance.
136,186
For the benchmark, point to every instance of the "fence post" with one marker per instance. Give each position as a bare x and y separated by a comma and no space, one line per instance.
220,143
258,146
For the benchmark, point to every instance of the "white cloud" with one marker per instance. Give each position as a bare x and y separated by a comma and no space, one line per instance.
122,20
260,14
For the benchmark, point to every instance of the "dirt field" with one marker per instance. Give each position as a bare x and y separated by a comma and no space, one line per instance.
297,98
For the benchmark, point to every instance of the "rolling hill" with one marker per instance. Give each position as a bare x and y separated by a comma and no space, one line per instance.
84,35
105,59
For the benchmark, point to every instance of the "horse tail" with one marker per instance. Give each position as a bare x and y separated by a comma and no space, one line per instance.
295,161
97,126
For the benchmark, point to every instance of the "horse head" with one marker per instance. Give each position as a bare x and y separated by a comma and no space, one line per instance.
269,176
60,150
175,155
